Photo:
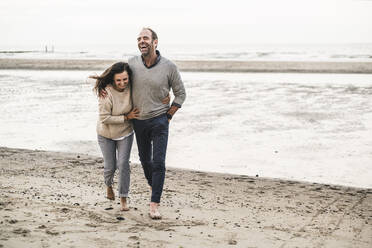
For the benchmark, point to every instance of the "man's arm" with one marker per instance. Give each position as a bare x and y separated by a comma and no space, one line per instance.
178,90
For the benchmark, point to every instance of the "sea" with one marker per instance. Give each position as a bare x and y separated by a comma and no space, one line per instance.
237,52
298,126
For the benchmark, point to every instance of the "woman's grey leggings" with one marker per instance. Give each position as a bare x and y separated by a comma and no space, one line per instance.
116,155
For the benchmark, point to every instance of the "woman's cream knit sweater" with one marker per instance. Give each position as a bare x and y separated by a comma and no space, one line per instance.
111,123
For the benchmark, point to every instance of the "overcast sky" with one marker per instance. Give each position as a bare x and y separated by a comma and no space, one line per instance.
185,21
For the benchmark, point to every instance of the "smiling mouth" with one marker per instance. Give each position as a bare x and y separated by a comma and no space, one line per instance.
143,47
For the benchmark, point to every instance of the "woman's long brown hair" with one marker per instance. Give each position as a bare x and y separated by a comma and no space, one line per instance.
107,77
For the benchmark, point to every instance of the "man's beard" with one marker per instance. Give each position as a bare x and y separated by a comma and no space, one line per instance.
149,49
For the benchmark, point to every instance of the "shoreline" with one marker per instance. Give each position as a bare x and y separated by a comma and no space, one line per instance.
197,66
50,198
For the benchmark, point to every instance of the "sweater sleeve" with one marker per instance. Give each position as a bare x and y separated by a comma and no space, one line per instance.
105,111
177,87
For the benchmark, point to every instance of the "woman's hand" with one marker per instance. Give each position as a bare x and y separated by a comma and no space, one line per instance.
166,100
133,114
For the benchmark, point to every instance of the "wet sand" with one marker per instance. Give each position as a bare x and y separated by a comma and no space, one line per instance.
201,66
52,199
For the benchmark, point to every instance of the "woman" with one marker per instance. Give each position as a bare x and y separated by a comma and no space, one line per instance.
114,128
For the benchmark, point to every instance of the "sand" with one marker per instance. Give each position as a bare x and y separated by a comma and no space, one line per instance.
52,199
201,66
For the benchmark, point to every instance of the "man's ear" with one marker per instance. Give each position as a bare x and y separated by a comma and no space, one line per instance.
156,43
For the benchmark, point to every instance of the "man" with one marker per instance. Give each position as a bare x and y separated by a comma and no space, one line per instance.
153,77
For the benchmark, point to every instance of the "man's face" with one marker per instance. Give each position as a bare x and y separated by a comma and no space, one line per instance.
145,43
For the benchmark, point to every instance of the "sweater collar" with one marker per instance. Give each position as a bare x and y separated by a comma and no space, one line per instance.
156,62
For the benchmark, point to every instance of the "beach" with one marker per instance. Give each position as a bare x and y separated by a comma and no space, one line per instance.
54,199
270,146
297,150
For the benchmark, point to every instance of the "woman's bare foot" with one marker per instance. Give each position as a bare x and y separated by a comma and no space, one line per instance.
124,206
110,193
154,211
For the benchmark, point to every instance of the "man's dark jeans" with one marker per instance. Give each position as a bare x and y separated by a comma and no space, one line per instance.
152,140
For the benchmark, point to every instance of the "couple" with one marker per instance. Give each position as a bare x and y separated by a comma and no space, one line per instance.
135,96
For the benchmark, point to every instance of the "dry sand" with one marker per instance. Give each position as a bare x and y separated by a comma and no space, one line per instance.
51,199
205,66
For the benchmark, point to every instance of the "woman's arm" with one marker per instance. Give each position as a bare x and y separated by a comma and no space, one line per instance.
105,112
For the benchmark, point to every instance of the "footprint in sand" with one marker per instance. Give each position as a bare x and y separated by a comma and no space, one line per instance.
21,231
133,238
51,232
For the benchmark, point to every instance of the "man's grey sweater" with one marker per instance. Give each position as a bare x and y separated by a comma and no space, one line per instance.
151,85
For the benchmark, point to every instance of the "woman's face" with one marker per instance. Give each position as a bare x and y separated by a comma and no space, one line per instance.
121,80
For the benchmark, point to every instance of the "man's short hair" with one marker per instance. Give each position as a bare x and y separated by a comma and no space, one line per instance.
154,36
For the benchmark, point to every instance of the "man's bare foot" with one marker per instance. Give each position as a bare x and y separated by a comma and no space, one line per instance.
154,211
110,193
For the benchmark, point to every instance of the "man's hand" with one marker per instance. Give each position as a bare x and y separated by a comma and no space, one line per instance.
133,114
171,111
103,93
166,100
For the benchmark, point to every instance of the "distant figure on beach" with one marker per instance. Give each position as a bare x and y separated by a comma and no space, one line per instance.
153,78
114,127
